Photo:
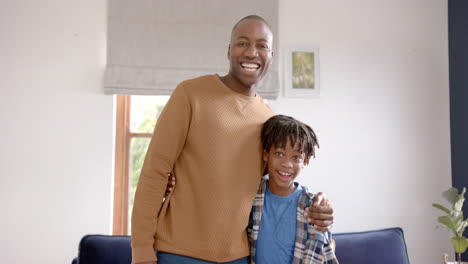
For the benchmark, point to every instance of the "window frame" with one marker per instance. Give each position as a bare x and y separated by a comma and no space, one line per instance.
123,138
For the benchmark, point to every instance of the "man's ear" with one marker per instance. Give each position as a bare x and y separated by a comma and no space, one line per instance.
272,56
229,52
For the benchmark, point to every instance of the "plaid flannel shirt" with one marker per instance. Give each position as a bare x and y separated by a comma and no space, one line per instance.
311,247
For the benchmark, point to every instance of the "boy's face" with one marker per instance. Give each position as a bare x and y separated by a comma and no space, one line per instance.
284,165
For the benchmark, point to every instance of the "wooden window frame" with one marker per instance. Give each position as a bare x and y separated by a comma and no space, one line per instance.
123,137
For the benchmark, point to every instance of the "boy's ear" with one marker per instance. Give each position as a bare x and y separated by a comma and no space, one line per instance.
265,156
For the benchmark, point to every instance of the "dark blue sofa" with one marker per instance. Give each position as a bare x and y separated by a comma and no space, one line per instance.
385,246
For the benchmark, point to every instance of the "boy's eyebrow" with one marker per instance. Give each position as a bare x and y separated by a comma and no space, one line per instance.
296,151
278,148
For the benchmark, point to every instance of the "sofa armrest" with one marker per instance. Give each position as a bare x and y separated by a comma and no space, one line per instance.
384,246
104,249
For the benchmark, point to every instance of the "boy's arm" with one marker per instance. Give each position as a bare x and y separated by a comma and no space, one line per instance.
328,252
320,214
166,144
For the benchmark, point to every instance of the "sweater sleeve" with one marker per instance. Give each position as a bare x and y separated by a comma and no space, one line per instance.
166,144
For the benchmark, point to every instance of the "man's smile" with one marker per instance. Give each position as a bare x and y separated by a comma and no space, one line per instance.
249,66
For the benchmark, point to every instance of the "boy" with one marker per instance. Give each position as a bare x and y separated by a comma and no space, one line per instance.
278,230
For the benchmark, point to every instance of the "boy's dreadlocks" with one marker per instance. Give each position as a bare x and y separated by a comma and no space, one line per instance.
279,128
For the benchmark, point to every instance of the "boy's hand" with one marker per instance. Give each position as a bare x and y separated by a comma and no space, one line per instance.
170,183
320,214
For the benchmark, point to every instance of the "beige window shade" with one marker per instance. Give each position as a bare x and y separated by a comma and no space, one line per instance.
155,44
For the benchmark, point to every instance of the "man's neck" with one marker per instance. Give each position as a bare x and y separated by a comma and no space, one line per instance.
237,87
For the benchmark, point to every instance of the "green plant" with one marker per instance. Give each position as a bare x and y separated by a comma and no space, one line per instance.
454,220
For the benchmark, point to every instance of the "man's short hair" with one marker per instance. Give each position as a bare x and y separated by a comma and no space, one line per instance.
250,17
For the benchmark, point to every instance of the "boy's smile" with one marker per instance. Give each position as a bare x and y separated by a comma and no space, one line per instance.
284,175
284,165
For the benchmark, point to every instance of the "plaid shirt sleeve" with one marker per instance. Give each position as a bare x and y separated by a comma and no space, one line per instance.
312,246
255,219
329,254
318,250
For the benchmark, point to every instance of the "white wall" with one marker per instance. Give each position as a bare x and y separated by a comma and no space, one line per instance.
56,129
383,118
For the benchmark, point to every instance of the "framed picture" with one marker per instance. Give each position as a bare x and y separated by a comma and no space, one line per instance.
302,72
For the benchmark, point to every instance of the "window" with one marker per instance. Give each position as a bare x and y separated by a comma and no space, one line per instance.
136,117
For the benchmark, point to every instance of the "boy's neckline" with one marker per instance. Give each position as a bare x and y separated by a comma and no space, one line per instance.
282,195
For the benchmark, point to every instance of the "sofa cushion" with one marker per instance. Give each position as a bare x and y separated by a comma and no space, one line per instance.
385,246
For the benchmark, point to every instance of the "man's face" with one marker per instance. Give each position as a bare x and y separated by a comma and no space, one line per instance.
250,52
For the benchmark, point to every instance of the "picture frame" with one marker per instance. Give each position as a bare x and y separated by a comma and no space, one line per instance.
302,77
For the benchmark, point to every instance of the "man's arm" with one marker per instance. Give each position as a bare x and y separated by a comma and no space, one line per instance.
164,149
320,214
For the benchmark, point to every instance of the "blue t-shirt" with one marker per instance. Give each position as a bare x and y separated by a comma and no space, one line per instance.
277,233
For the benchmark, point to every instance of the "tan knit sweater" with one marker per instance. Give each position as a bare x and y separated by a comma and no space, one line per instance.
209,136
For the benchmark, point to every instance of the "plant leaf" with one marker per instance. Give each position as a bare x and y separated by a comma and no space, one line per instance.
441,207
460,200
459,244
457,215
459,203
451,195
445,220
461,228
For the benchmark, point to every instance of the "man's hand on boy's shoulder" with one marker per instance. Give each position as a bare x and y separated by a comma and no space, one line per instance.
320,214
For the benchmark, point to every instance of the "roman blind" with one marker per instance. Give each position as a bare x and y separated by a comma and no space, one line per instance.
155,44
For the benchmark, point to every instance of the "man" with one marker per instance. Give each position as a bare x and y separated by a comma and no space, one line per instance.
208,135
